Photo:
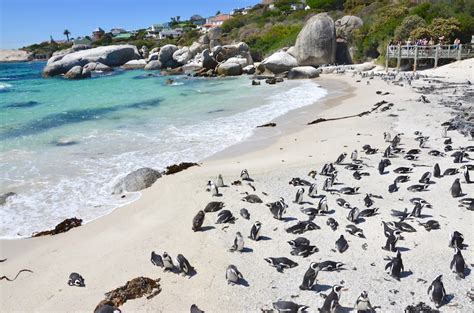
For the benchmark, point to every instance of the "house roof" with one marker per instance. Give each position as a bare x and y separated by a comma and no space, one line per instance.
123,36
98,30
221,17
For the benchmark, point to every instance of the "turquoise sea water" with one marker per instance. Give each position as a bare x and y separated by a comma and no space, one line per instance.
63,144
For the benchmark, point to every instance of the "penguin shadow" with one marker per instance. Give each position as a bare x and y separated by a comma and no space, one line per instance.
344,309
329,212
448,298
403,249
320,288
246,250
206,228
359,220
288,219
248,180
406,274
467,272
264,238
425,215
243,282
306,202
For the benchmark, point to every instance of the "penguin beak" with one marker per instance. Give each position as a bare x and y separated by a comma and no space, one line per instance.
344,289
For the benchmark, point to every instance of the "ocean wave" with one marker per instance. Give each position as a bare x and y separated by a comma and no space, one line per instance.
5,86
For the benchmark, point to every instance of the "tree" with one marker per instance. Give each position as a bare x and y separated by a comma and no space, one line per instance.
439,27
408,24
326,4
67,33
218,12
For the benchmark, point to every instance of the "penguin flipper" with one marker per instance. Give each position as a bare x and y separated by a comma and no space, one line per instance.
452,264
388,265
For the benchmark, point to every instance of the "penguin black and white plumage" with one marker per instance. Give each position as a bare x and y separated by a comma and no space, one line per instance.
418,188
238,244
456,190
330,266
353,215
233,275
255,231
304,251
278,208
289,307
450,171
332,223
220,181
368,201
323,205
75,279
183,265
341,244
402,179
403,170
213,189
388,152
341,158
245,214
167,262
194,309
244,175
354,155
467,178
331,303
362,304
436,291
456,240
349,190
299,196
225,216
198,220
417,210
387,137
390,244
313,190
156,259
214,206
458,264
299,242
302,227
369,212
343,203
107,308
281,263
425,178
309,279
252,198
354,230
395,266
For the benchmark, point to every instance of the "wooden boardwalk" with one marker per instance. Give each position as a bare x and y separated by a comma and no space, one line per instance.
415,52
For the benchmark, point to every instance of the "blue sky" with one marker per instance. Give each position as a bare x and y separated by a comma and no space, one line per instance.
23,22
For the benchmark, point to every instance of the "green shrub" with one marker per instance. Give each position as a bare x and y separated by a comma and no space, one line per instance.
277,37
326,4
408,24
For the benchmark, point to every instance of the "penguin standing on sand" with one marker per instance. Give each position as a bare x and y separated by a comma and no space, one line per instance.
436,171
255,231
309,279
244,175
198,220
299,196
213,189
387,137
331,303
341,244
232,275
156,259
467,178
382,165
354,155
238,243
184,266
456,240
167,262
341,158
313,191
395,266
362,304
456,190
220,181
458,264
436,291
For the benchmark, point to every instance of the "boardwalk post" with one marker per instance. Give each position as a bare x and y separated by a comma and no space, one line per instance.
416,58
399,57
459,52
386,58
436,56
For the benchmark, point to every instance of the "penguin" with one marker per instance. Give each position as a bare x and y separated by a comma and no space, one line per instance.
418,188
309,279
403,170
198,220
255,231
252,199
299,242
362,304
184,266
167,262
458,264
341,158
299,196
349,190
225,216
368,201
220,181
332,223
76,279
331,303
354,230
402,179
436,291
214,206
244,175
417,210
425,178
289,307
278,208
467,178
411,157
330,266
213,189
281,263
304,251
395,266
323,205
436,153
341,244
353,215
238,243
312,173
156,259
233,275
456,190
387,137
450,171
245,214
107,308
456,240
388,152
393,187
343,203
354,155
194,309
302,227
313,191
392,241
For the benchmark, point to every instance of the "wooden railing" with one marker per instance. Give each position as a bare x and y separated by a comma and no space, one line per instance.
436,52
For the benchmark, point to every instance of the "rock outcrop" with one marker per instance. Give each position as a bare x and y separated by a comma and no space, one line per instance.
302,72
345,28
116,55
153,66
97,67
15,56
316,43
137,180
78,72
165,56
279,62
229,69
134,64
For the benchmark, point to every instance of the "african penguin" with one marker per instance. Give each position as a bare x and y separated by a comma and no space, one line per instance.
456,190
331,303
341,244
233,275
238,243
456,240
183,265
76,279
458,264
220,181
244,175
156,259
395,266
289,307
198,220
362,304
299,196
167,262
436,291
392,240
255,231
281,263
309,279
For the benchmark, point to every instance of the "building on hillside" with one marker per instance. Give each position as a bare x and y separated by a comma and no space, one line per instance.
197,20
217,20
154,30
297,6
123,36
117,30
82,41
170,33
97,33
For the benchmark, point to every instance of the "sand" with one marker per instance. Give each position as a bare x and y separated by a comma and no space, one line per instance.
116,248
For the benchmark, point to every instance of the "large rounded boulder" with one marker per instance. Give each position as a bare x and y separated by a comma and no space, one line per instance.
229,69
302,72
316,43
279,62
346,26
137,180
153,66
77,72
115,55
165,55
134,64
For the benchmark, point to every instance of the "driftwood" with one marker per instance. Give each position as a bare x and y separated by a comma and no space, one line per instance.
175,168
133,289
267,125
376,106
20,271
62,227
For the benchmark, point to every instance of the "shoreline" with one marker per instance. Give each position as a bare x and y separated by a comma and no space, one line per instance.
115,248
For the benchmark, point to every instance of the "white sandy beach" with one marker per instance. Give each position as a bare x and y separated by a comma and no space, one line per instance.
116,248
